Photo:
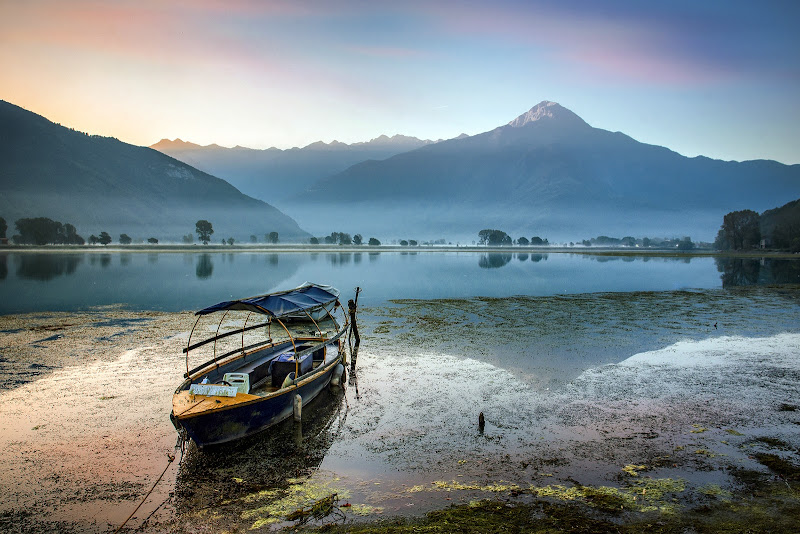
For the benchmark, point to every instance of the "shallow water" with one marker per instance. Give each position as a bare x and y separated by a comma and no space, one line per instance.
574,388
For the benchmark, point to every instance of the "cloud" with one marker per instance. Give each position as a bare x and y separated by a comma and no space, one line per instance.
673,43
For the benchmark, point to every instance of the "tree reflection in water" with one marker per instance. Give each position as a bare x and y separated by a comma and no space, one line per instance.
757,271
205,267
494,260
46,266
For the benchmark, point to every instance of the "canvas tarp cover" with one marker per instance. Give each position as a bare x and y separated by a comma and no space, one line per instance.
304,298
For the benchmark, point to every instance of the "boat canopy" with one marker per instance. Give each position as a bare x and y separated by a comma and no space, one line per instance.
305,298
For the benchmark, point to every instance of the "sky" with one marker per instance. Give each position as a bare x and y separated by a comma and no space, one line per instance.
713,78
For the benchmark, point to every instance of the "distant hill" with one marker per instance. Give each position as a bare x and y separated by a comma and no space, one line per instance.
102,184
548,173
273,174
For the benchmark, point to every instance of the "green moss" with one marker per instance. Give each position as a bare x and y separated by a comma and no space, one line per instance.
715,490
633,470
774,509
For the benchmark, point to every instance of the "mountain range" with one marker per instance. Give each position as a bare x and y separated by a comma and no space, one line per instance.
545,173
548,172
273,174
102,184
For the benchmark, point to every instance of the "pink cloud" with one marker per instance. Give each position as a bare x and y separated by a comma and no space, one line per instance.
614,48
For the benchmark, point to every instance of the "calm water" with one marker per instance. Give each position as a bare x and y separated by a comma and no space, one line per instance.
187,281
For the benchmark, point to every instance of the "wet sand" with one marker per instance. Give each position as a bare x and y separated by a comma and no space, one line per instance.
623,392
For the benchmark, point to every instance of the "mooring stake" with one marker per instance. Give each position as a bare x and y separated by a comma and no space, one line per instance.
298,408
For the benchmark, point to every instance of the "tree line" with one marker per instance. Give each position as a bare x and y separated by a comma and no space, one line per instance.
498,238
343,238
43,231
777,228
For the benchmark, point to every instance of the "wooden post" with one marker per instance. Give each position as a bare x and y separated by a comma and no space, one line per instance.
352,306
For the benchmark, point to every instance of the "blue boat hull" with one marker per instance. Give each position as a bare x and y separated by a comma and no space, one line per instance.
220,426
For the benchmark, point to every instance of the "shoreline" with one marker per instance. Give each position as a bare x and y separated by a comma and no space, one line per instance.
305,249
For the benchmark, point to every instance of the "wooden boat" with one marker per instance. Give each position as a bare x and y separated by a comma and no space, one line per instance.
252,386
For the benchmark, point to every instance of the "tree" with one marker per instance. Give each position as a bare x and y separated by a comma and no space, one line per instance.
272,237
93,239
686,244
41,231
345,239
403,243
412,242
253,238
314,241
71,236
374,242
646,242
152,240
231,241
204,230
357,239
494,238
740,230
3,227
125,239
537,241
188,239
523,242
104,238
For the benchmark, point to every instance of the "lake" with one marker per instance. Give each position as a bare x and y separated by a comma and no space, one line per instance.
662,381
175,281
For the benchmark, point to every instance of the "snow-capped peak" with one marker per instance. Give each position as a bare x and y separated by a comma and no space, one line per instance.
543,110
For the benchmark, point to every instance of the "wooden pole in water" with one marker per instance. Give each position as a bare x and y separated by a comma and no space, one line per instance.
297,408
352,305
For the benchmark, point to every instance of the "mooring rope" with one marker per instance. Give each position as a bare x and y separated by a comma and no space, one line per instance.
170,459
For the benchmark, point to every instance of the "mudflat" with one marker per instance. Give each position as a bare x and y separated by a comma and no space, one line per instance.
627,408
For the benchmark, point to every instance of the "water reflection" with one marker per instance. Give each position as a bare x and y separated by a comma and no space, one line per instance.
737,272
104,260
340,258
205,267
276,459
494,260
46,266
179,281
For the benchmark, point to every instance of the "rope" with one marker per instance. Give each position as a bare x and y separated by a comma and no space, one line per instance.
171,458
